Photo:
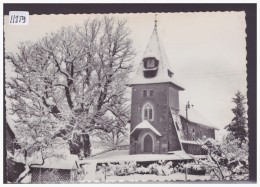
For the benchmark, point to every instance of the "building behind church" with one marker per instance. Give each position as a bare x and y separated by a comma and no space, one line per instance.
157,125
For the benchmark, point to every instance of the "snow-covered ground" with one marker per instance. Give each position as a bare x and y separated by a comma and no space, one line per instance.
148,177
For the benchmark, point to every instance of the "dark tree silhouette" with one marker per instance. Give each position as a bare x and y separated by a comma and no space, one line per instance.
238,127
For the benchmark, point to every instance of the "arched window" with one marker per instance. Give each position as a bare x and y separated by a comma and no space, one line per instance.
148,112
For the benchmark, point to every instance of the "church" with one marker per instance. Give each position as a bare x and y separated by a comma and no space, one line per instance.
157,124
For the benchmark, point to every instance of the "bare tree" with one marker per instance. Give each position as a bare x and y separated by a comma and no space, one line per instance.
227,161
114,139
67,82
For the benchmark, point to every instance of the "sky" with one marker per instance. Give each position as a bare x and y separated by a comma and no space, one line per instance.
206,50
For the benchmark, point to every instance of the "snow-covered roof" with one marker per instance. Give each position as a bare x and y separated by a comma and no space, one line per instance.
190,142
199,156
146,125
111,154
180,153
155,49
10,123
210,141
196,117
123,155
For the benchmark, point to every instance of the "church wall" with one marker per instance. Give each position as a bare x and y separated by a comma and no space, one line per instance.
173,97
162,117
194,149
159,101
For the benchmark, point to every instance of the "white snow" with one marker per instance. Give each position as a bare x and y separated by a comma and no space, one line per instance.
195,116
199,156
67,162
149,177
90,169
210,141
27,179
111,154
201,142
190,142
146,125
96,150
154,49
123,155
10,122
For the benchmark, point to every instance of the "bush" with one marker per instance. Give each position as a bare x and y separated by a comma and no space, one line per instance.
195,169
142,170
179,168
122,168
161,168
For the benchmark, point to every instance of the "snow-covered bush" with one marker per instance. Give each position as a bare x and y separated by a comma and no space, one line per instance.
228,161
195,169
142,170
122,168
161,168
179,168
191,168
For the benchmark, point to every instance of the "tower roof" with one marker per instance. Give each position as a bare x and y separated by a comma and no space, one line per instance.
155,49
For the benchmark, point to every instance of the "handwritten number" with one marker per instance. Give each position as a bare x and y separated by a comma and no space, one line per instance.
17,19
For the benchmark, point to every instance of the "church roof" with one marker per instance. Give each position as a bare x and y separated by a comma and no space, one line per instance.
146,125
155,49
196,117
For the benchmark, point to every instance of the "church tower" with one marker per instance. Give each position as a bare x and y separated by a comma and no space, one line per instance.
155,121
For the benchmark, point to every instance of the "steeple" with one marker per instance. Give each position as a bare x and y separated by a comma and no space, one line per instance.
155,21
154,67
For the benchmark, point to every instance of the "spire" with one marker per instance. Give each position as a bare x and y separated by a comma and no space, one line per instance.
156,51
155,21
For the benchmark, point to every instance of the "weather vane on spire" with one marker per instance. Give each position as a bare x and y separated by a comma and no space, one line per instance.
155,21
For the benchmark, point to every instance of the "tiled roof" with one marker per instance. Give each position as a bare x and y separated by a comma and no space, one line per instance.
196,117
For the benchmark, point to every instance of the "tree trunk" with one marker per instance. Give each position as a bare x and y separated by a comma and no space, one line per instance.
23,174
80,145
